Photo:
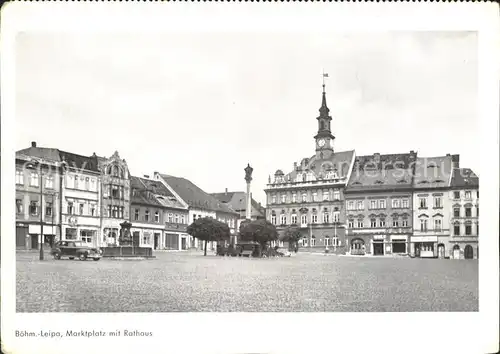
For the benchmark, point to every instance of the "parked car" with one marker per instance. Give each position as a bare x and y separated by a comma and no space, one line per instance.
72,249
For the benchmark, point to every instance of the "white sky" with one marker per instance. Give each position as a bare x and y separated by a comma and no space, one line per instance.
202,106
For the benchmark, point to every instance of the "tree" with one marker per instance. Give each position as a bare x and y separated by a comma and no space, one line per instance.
261,231
292,235
208,229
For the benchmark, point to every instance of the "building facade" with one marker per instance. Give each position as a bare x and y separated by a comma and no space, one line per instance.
431,205
81,199
115,201
378,201
200,204
159,220
311,196
37,202
464,202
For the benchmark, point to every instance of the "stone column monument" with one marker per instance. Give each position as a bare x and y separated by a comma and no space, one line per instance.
248,179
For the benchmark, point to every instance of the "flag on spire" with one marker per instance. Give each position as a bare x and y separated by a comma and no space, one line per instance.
325,74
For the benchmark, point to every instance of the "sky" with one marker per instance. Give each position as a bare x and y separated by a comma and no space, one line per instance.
204,105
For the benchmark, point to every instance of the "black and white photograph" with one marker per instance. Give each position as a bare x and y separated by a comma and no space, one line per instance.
237,169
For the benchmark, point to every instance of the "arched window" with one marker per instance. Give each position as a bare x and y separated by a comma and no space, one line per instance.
304,177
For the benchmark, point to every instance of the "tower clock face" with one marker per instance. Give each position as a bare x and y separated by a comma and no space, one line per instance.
321,142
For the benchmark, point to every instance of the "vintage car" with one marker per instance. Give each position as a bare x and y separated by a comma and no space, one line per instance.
72,249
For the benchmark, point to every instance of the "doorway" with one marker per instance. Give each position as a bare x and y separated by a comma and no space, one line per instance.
34,242
378,248
136,239
441,251
183,243
456,252
468,252
156,241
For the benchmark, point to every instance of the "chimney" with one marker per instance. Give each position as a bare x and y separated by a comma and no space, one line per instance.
448,155
455,161
412,152
146,176
295,166
33,144
226,192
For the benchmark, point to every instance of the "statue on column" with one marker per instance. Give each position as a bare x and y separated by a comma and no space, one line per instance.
248,173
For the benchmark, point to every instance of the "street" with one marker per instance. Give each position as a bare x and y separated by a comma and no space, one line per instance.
175,282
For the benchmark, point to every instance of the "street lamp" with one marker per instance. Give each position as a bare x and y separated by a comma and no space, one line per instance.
32,166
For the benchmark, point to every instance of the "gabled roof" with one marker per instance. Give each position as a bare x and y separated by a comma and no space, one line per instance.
380,172
150,192
340,162
464,178
432,172
237,202
80,162
194,196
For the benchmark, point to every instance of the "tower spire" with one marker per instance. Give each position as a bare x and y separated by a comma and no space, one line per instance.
324,138
324,108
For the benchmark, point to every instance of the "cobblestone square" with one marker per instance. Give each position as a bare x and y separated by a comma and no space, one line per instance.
188,281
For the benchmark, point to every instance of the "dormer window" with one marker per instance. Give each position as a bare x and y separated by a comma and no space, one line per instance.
402,181
379,182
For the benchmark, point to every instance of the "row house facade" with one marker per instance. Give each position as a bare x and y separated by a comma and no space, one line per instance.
38,196
159,220
431,205
115,201
378,201
311,196
200,204
464,210
81,199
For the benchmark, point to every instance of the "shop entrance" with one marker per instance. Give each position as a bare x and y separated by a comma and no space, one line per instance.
34,242
378,248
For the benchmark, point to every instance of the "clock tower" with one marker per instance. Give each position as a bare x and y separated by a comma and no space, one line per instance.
324,138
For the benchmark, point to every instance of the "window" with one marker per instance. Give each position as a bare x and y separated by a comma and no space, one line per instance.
49,182
69,208
477,211
71,234
86,236
92,184
283,198
304,197
273,219
157,216
176,218
315,197
335,241
304,242
81,209
303,219
313,241
48,209
423,225
194,217
34,208
373,223
350,205
468,230
382,222
294,219
273,199
146,215
456,230
373,204
456,195
92,209
146,239
361,205
382,203
304,177
438,203
294,198
115,192
183,219
360,223
405,203
437,225
351,224
477,194
468,195
326,218
336,195
314,218
76,182
423,203
477,229
34,179
115,211
327,241
395,203
468,212
87,183
19,206
171,217
136,214
395,222
405,222
19,177
456,212
283,219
